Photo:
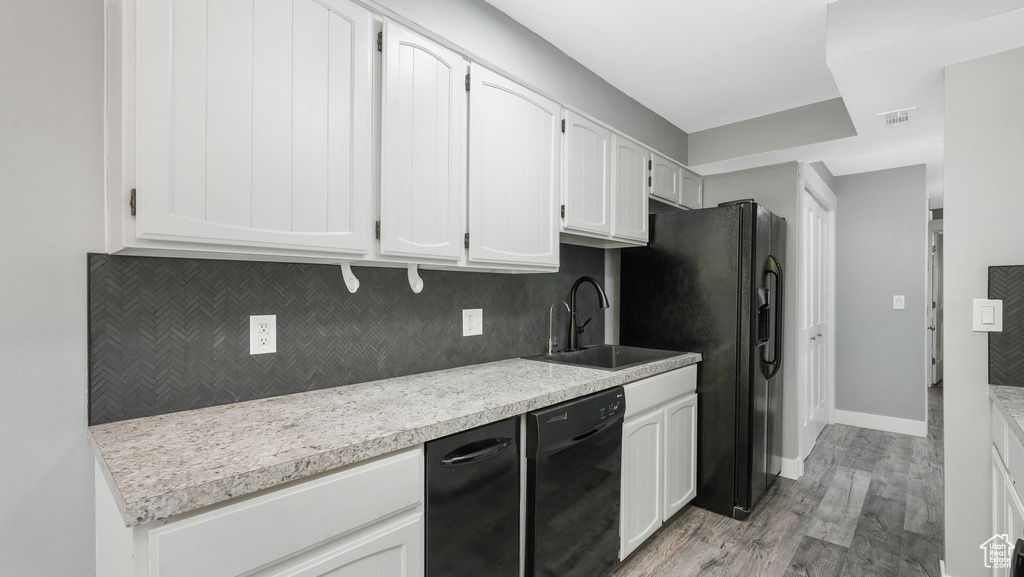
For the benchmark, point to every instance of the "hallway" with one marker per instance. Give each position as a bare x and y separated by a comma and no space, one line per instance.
870,503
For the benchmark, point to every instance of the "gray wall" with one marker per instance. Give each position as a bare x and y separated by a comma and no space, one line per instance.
492,38
982,219
818,122
51,213
881,251
777,188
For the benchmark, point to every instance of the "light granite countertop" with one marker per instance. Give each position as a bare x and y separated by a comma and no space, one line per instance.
171,464
1010,402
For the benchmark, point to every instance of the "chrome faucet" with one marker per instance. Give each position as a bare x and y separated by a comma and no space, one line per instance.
551,318
602,301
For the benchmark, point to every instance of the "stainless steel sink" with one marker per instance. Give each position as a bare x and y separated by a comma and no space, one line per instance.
606,357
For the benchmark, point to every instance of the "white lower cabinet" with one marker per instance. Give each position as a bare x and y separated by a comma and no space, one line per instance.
365,520
659,449
394,550
641,512
680,454
1007,508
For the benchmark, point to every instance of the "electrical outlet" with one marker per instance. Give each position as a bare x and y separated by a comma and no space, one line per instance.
472,322
899,302
262,334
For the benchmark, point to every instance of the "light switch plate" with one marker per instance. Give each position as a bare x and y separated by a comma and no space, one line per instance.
472,322
262,334
988,316
899,302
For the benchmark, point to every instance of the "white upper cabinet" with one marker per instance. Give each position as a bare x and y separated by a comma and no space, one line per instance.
665,178
586,190
513,173
629,189
254,123
423,147
691,193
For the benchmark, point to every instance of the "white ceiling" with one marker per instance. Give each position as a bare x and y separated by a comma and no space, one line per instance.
697,63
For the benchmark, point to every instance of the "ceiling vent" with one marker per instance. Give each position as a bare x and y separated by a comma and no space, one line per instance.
897,118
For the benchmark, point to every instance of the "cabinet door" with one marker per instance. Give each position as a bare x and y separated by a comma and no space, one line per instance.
395,550
665,178
423,147
1014,515
680,454
629,189
254,123
642,438
999,508
513,173
586,191
691,190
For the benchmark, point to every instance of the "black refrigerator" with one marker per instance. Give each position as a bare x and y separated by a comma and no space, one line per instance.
711,281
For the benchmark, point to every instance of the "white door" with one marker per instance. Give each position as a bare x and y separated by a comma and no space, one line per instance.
423,147
394,551
513,172
1014,512
813,319
692,188
680,454
935,325
665,178
629,189
254,123
641,513
586,191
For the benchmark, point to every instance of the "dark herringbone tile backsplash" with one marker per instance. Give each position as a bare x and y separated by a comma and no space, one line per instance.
168,335
1006,348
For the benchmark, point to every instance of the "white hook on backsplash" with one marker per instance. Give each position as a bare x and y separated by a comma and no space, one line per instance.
350,278
415,282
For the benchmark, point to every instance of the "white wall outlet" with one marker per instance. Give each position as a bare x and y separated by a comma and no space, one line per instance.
262,334
988,316
899,302
472,322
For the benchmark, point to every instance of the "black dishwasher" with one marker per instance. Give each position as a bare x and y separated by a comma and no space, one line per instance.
574,463
472,505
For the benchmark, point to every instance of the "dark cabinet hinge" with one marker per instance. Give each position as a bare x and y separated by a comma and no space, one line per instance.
649,182
650,165
467,240
563,126
378,230
467,82
131,202
380,42
563,211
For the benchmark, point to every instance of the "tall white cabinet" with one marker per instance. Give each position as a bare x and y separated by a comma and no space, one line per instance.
423,147
629,189
659,454
587,188
254,123
514,137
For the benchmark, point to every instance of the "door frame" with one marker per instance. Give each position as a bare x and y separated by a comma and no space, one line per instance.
812,184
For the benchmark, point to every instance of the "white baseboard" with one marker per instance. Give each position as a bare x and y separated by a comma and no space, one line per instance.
942,568
792,468
882,423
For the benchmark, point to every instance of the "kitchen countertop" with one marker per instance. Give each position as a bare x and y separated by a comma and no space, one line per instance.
1010,402
171,464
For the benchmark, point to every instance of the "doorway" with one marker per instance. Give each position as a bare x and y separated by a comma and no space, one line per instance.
935,313
816,313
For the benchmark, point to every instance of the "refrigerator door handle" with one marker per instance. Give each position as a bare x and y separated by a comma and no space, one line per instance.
772,365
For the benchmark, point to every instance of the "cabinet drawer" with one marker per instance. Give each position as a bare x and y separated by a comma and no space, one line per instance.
998,431
653,391
241,537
